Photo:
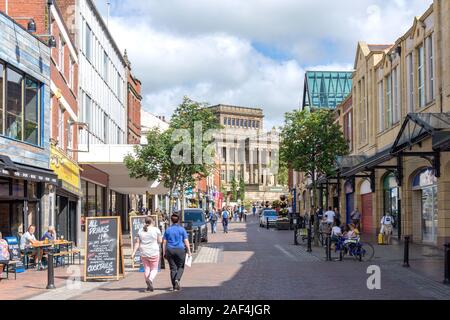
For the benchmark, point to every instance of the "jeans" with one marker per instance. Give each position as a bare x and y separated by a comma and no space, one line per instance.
225,225
176,258
213,226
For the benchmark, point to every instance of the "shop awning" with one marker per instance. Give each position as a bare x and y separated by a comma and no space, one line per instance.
369,163
11,169
420,126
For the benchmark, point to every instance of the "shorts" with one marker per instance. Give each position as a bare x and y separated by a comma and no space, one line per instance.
387,229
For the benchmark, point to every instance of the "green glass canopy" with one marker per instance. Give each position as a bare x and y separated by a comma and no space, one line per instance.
326,89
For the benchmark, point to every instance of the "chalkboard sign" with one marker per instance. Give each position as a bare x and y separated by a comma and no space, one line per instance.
14,253
136,224
104,257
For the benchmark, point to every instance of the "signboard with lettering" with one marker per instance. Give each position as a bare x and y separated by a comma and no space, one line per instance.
104,256
136,224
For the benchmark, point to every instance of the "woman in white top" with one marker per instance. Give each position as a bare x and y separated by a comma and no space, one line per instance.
148,241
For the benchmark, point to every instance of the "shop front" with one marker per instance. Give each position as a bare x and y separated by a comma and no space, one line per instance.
23,191
68,193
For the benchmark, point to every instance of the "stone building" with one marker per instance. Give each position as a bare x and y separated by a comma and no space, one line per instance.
245,150
401,104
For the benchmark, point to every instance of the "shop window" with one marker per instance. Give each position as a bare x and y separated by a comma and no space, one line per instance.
14,104
91,200
31,111
18,188
4,187
100,201
391,197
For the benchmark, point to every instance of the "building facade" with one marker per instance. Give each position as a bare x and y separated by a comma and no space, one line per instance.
400,163
133,106
27,185
246,151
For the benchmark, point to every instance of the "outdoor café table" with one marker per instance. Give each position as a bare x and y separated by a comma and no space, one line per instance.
43,245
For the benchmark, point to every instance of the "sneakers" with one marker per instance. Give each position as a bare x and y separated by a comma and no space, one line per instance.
177,285
149,285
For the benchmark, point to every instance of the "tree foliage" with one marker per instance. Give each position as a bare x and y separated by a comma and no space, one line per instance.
242,189
180,154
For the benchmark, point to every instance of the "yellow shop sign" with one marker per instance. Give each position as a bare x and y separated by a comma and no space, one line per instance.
66,170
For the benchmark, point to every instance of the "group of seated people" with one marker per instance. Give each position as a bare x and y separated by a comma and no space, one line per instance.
347,231
27,245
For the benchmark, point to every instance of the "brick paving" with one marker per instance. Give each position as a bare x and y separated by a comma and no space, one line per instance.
254,263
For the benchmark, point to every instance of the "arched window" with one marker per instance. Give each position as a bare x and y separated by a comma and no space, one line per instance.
424,178
391,197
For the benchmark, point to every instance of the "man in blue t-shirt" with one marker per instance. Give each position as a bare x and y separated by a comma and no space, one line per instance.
175,243
225,217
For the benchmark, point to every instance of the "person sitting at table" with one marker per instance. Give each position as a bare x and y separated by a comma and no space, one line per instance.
27,241
4,255
50,234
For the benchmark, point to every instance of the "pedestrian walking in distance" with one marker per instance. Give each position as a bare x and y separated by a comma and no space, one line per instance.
175,246
147,242
213,220
225,217
356,218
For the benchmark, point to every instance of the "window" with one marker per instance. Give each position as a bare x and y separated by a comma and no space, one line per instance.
61,127
14,113
253,124
430,68
225,121
71,74
2,69
245,123
105,66
88,42
31,112
233,123
381,117
229,121
70,139
257,124
61,49
362,111
241,123
421,76
389,100
410,82
395,96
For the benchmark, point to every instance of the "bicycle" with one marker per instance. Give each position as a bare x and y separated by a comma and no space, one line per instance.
361,251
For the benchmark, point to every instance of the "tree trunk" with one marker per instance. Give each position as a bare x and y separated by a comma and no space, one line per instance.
182,202
316,218
171,202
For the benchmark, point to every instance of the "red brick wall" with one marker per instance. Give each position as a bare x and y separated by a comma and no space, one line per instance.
134,110
36,9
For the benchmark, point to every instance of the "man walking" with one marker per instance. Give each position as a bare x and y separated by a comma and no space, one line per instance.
175,245
225,216
213,220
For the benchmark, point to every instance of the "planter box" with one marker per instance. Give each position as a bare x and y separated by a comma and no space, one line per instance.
283,225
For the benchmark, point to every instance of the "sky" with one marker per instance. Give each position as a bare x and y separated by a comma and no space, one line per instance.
251,53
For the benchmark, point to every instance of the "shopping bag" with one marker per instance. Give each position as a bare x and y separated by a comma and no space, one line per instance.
380,239
188,261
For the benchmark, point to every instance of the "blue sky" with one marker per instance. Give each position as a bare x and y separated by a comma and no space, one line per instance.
252,53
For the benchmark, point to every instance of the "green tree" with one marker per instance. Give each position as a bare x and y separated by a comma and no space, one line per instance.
182,153
242,189
234,191
311,142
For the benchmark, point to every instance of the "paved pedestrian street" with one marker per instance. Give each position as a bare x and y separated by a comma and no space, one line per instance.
255,263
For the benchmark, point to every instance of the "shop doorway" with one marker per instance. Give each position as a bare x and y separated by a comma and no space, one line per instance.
366,208
349,200
425,182
391,200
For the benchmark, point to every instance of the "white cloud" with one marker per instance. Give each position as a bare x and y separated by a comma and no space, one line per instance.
203,48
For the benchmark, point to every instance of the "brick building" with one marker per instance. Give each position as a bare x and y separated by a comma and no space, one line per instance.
133,106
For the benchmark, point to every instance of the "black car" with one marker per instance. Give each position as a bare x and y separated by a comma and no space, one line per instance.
198,219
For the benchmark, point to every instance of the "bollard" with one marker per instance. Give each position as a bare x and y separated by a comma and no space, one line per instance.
406,253
328,248
309,241
446,264
295,234
50,272
267,221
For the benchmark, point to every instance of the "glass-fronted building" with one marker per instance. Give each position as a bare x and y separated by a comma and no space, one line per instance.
326,89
